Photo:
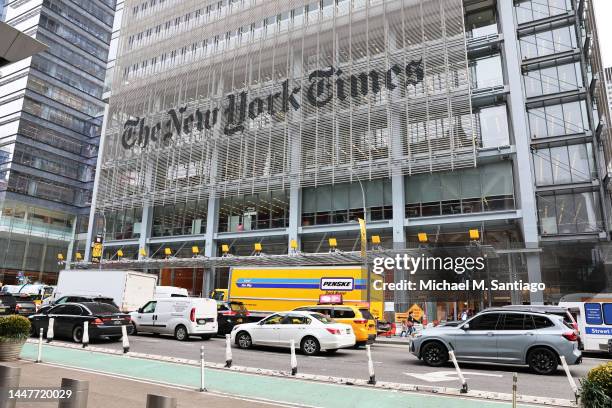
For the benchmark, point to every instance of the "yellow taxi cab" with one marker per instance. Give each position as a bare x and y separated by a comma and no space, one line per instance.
359,317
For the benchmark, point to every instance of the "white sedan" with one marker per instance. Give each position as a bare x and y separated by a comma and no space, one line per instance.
311,332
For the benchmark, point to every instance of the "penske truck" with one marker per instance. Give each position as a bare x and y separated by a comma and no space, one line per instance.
264,290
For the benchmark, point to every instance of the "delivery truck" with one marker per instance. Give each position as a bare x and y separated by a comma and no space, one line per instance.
129,289
264,290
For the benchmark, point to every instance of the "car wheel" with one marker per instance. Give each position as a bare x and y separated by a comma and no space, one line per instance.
180,333
359,344
243,340
77,334
310,346
132,330
434,354
542,361
331,351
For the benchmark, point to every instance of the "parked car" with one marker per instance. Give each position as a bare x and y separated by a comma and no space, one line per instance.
359,318
230,314
78,299
179,316
25,304
499,336
312,332
7,304
105,321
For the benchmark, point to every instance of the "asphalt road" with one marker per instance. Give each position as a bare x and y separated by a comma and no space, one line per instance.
391,363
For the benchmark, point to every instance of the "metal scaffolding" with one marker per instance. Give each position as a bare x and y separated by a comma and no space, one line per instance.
293,259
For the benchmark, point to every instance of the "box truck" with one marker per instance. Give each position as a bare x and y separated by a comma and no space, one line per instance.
129,289
271,289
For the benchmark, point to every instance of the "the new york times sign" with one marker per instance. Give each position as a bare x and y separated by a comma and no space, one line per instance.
136,132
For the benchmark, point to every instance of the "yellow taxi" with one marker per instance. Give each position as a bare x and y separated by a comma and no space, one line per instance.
359,317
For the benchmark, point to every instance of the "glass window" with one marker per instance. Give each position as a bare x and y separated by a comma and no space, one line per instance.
102,308
560,165
481,22
274,319
542,322
487,321
295,319
494,126
322,318
149,307
343,313
542,166
607,313
592,313
514,321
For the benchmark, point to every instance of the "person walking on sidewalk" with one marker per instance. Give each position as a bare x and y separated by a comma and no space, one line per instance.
411,322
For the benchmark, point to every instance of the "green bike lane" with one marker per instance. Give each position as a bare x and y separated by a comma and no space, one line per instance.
294,391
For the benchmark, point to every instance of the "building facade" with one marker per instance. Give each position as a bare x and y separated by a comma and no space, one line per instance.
237,122
608,79
51,112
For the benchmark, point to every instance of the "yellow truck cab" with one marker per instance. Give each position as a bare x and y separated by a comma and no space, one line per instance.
359,317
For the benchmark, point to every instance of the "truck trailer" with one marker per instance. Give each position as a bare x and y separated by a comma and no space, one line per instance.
264,290
129,289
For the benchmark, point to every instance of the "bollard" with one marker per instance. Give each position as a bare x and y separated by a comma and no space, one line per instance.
202,387
9,378
514,380
124,339
372,379
228,351
40,342
464,386
50,330
85,334
293,358
569,377
80,393
160,401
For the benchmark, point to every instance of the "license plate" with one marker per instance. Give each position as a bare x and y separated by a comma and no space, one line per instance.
117,322
348,331
201,321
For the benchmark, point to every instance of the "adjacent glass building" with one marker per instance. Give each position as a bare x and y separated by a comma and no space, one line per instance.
51,112
243,121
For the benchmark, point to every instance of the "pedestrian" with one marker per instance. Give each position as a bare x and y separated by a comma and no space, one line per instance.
404,331
464,315
411,322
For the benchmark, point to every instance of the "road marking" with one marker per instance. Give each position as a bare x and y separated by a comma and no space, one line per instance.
442,376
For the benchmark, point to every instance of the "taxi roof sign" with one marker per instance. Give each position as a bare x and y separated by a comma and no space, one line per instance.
331,299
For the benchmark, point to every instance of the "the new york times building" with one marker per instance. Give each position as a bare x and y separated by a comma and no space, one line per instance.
240,122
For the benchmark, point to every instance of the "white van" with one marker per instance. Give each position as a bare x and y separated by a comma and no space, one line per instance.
179,316
593,313
170,291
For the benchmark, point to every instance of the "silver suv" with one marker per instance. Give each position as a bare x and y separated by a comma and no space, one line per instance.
494,336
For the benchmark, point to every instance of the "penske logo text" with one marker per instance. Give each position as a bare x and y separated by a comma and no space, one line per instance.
345,284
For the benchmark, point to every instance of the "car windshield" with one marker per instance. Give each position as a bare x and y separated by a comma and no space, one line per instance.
322,318
366,314
237,307
102,308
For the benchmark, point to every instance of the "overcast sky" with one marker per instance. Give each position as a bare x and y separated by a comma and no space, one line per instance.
603,13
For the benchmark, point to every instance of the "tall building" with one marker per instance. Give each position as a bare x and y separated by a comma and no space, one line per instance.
51,112
237,122
608,79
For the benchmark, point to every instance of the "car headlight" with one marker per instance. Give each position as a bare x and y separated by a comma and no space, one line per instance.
418,334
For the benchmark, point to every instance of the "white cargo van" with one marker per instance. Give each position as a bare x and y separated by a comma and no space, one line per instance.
179,316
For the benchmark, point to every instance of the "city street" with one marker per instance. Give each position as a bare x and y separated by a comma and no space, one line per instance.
392,363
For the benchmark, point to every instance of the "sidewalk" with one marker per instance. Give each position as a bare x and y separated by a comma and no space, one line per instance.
123,393
286,391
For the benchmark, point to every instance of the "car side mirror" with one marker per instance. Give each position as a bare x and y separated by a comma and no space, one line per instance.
466,326
140,310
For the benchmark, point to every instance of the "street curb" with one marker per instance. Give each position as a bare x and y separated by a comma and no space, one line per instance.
382,385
